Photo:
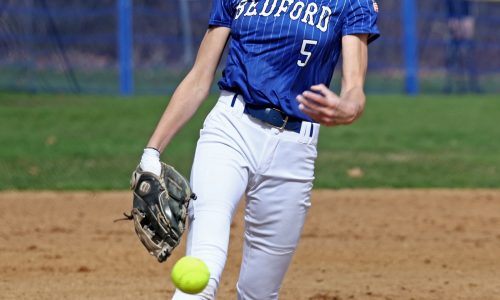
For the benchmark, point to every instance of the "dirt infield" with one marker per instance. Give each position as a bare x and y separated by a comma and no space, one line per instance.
362,244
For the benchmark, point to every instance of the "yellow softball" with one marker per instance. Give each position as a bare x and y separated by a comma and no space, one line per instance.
190,275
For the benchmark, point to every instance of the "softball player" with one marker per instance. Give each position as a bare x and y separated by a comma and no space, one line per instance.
260,138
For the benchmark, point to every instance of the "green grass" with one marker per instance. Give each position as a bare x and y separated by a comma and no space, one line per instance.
416,142
94,142
161,80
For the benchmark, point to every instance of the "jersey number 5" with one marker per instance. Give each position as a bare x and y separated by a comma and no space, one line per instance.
305,52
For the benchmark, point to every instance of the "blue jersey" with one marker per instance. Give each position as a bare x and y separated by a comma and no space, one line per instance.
280,48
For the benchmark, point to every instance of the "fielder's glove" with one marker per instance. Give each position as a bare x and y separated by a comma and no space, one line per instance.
160,209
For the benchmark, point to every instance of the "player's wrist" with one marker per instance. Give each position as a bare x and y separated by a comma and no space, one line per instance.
150,161
153,150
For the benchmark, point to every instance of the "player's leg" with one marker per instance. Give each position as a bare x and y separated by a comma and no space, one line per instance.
219,178
452,64
470,65
276,210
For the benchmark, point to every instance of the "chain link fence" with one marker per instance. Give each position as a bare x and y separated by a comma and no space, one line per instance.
72,46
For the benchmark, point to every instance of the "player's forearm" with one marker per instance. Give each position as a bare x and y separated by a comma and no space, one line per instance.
193,89
186,99
355,61
355,96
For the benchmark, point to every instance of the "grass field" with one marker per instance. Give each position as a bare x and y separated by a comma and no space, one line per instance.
94,142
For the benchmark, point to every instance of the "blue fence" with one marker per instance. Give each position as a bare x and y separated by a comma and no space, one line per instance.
145,47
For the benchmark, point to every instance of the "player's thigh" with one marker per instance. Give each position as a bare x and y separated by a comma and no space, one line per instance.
219,174
276,213
220,166
278,203
219,179
274,219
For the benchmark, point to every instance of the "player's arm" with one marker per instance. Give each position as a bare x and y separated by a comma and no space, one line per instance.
327,108
193,89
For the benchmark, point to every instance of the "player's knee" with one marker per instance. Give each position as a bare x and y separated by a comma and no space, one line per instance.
246,291
283,245
209,292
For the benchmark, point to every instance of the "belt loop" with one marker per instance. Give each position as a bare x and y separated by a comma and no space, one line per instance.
315,135
234,99
237,105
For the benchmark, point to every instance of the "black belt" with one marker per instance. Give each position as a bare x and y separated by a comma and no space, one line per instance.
274,117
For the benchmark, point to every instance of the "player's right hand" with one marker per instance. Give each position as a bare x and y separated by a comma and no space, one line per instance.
326,108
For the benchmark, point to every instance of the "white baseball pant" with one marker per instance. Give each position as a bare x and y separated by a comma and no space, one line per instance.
235,155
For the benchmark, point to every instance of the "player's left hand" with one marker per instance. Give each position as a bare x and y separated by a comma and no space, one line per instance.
159,209
326,108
